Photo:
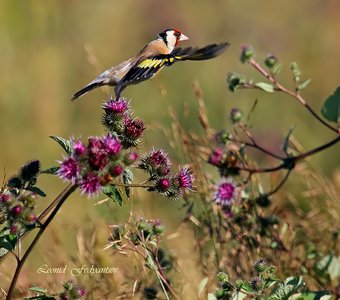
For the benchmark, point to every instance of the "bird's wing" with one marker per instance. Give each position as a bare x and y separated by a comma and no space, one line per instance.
203,53
146,68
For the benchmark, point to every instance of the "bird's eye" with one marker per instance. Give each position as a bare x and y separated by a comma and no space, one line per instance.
177,33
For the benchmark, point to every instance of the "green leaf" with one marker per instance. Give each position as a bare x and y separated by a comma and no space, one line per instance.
38,290
331,108
328,267
324,295
304,84
211,296
127,179
3,252
287,288
52,171
267,87
286,141
8,241
113,192
238,296
36,190
277,69
65,144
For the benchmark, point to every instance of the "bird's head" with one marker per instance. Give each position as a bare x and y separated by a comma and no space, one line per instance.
171,38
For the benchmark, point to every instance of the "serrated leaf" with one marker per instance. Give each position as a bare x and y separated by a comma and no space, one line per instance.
202,285
331,108
267,87
303,84
287,288
65,144
36,190
113,192
52,171
127,179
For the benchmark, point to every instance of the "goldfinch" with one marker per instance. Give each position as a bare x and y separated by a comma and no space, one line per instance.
150,60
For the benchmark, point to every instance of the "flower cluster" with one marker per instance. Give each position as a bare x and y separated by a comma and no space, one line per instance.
17,199
158,167
94,165
117,118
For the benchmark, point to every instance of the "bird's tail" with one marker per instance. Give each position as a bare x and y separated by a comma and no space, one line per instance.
86,89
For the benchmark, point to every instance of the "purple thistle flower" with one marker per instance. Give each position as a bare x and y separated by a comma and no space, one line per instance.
69,169
162,185
4,198
226,192
97,153
117,170
130,158
112,144
90,184
156,162
185,178
119,106
78,148
133,128
216,157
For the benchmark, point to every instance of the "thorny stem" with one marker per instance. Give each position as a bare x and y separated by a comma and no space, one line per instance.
61,199
279,87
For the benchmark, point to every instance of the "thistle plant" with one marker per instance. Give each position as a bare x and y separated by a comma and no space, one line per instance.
102,164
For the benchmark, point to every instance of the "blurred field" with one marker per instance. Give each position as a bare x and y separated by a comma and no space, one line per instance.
51,49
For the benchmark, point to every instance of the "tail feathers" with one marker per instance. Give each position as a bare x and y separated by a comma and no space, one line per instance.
86,89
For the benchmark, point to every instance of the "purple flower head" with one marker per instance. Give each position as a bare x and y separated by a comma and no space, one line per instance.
69,169
216,157
185,178
133,128
80,291
4,198
156,162
162,185
16,210
235,115
112,144
118,107
117,170
226,192
90,184
97,150
130,158
78,148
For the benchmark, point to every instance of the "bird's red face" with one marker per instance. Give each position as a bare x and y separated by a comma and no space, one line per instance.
172,37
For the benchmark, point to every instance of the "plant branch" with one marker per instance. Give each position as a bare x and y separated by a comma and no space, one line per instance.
296,95
61,199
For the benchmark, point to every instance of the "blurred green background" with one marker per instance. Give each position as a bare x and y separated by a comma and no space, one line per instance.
51,49
44,61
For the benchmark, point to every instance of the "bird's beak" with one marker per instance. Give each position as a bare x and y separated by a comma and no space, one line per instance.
183,37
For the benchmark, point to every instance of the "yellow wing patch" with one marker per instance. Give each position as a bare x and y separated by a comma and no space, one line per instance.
155,62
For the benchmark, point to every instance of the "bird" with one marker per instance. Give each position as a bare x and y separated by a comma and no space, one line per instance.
162,51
